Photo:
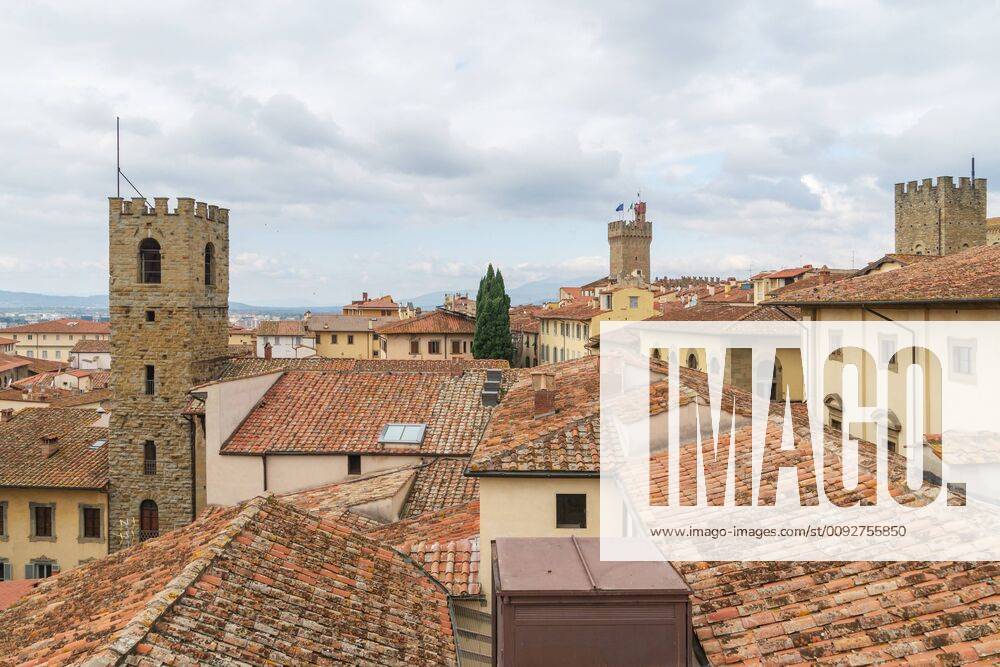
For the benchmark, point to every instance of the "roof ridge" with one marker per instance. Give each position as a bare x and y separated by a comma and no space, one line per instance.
125,640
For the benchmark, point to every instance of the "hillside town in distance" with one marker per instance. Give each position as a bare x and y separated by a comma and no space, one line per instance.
182,484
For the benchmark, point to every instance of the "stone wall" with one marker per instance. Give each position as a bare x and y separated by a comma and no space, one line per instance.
940,218
183,339
629,243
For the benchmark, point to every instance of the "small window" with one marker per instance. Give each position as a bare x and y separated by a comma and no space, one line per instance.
333,339
41,520
150,315
40,569
414,347
456,347
149,520
350,339
434,347
692,361
3,519
150,380
353,464
633,302
149,458
90,520
149,261
571,510
5,570
887,351
409,434
835,424
963,358
209,265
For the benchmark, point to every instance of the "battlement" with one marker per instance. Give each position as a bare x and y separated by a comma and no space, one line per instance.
927,187
630,228
137,206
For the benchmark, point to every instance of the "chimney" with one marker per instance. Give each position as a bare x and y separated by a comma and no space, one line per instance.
824,276
306,315
267,350
6,415
543,382
364,296
50,445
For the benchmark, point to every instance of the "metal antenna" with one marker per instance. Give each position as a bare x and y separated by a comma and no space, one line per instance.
118,155
973,171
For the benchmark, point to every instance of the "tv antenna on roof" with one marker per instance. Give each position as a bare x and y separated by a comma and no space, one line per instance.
973,171
118,163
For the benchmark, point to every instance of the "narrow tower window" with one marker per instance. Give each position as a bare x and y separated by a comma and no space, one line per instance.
150,380
209,264
149,520
149,458
149,261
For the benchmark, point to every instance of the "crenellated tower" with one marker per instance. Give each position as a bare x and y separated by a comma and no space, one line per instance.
629,242
940,218
169,298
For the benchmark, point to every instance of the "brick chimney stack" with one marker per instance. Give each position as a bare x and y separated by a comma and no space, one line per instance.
543,382
6,415
824,275
50,445
267,350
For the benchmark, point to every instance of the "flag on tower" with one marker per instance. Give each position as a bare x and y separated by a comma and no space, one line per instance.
621,207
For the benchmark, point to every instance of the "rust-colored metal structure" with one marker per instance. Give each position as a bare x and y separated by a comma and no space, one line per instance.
556,603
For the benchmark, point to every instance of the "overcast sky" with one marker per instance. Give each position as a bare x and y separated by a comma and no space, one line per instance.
399,147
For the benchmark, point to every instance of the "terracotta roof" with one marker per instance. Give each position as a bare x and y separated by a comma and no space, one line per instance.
61,326
445,543
327,412
765,313
43,365
577,311
13,394
734,295
704,312
9,362
15,589
434,322
335,323
384,301
439,484
281,328
809,281
348,501
895,257
76,463
86,398
7,341
972,275
92,346
600,282
240,367
786,273
524,318
265,582
517,441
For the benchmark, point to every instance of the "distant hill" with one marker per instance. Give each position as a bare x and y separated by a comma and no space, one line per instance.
536,292
32,301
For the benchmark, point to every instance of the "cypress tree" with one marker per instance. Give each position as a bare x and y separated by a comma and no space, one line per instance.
492,337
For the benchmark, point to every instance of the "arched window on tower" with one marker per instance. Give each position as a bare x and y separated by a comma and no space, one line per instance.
149,261
209,264
149,520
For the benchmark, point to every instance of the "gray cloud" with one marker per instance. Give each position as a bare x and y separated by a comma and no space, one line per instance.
352,139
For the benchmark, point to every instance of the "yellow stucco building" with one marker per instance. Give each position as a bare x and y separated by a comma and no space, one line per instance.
53,339
53,491
347,336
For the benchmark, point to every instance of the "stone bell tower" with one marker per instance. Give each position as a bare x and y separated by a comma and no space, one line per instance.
629,243
169,298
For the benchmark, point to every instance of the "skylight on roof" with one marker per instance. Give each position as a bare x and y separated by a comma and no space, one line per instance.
98,444
402,434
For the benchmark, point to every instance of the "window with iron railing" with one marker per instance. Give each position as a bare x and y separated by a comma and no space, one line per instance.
150,380
149,520
149,457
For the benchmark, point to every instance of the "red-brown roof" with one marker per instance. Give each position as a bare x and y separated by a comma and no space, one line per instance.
384,301
265,582
705,312
92,346
86,398
66,325
7,341
434,322
78,463
15,589
281,328
440,484
9,362
970,276
243,367
525,318
337,412
577,311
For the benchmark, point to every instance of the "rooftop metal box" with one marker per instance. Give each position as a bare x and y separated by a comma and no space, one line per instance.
556,603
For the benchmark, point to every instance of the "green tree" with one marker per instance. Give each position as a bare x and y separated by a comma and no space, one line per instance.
492,337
